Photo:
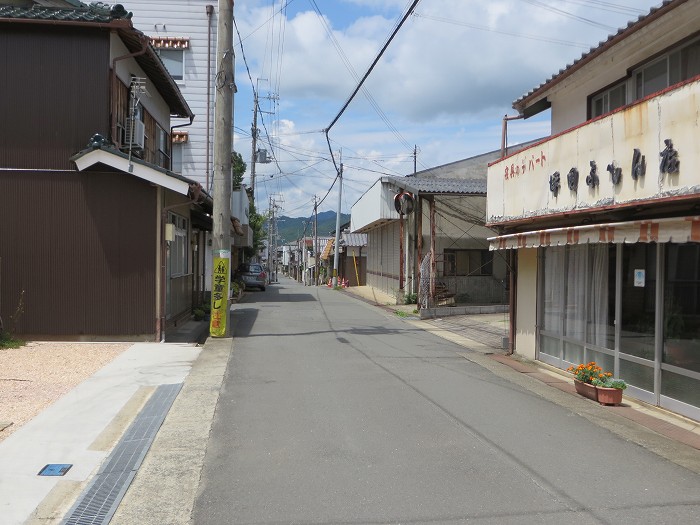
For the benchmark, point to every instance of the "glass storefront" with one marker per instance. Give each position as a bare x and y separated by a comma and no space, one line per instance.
682,307
584,288
578,306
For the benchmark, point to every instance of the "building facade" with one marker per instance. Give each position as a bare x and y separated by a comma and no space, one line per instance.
102,245
605,214
441,220
183,32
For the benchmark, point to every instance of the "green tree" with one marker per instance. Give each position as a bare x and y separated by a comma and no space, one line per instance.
257,223
238,168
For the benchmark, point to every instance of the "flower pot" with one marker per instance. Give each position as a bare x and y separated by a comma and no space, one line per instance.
609,396
586,390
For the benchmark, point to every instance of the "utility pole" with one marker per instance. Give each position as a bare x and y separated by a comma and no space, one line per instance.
269,238
223,120
255,154
337,224
415,158
316,254
254,135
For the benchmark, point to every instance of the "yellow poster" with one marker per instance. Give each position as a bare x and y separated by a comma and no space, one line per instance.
219,293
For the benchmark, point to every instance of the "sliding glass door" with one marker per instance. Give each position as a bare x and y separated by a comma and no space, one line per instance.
653,290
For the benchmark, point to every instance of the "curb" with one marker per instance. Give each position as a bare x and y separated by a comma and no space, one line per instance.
170,472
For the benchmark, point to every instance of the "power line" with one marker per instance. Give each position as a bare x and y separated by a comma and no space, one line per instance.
508,33
371,99
588,21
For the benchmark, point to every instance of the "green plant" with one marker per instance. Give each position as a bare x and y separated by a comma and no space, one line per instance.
588,372
7,338
610,382
411,298
198,314
594,375
400,313
7,341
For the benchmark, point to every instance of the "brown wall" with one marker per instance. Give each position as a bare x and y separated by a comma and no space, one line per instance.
82,246
54,91
347,268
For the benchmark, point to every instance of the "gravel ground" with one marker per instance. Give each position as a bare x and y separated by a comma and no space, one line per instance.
34,376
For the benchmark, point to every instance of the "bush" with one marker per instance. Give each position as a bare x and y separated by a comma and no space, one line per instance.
7,341
411,298
198,314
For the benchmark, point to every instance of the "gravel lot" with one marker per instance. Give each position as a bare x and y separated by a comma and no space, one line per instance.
37,374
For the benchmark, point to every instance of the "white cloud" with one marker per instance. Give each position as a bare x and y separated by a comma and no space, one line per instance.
444,85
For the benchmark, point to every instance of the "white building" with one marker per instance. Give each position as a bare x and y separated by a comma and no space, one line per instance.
184,33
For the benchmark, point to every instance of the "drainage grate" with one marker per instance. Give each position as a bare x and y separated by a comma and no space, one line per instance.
99,501
55,469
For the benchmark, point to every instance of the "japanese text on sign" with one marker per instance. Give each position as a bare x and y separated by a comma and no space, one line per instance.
524,165
219,294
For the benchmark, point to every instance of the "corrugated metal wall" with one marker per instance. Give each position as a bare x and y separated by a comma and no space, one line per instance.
82,246
383,258
54,93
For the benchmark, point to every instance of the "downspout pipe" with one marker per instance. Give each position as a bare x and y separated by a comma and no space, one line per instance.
171,139
145,42
504,132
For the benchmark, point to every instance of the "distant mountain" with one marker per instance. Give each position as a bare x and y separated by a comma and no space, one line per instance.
292,228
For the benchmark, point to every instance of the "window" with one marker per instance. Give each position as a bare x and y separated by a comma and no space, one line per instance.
178,248
651,78
468,262
176,158
174,61
609,100
682,63
162,148
676,66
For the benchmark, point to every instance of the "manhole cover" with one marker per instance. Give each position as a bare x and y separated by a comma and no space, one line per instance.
55,469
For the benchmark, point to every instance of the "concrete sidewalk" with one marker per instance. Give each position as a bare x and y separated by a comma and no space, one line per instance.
80,429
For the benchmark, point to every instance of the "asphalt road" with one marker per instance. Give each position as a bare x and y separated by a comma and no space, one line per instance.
334,412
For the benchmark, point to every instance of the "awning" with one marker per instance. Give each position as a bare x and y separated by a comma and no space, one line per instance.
113,158
677,229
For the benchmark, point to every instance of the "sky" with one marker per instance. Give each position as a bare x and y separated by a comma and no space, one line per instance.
441,88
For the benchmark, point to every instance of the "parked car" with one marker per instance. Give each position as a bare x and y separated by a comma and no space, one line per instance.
252,275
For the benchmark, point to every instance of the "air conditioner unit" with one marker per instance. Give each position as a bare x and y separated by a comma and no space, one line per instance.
136,139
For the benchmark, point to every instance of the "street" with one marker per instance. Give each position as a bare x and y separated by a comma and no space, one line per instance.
333,411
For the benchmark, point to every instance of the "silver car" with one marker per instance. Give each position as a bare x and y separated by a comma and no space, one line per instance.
252,275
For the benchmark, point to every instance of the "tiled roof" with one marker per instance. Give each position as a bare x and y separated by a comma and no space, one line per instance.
113,17
95,12
440,186
621,34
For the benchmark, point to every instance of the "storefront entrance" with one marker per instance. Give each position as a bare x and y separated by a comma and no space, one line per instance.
652,289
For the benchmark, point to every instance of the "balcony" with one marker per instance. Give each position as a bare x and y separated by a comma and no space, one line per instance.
644,153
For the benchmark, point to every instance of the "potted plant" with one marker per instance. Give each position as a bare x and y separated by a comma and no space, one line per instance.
609,389
584,374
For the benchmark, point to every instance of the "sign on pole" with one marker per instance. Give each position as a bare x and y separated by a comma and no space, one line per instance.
220,293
